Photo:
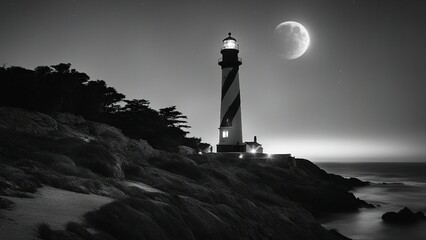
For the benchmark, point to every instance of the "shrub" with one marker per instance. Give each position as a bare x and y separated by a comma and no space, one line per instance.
124,222
95,157
44,231
6,203
79,230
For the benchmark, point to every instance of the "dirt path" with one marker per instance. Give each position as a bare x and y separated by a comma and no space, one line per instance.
53,206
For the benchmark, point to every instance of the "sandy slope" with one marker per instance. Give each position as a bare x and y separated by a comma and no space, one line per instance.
50,205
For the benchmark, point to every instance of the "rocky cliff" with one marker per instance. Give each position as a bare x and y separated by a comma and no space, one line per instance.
210,196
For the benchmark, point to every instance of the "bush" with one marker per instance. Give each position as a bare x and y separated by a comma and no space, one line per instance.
93,156
44,231
6,203
79,230
124,222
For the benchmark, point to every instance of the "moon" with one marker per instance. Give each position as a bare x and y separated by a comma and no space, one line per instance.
291,39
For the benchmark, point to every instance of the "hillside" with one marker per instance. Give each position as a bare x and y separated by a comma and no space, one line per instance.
163,195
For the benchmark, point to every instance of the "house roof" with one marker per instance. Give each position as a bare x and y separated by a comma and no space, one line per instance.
253,143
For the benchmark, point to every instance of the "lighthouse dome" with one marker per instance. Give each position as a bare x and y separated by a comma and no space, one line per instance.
230,43
229,38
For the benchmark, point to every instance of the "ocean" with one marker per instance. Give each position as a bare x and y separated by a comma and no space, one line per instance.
393,186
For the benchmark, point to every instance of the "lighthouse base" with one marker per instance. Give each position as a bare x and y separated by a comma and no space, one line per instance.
231,148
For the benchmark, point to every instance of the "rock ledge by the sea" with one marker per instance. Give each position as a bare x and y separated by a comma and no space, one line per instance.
404,216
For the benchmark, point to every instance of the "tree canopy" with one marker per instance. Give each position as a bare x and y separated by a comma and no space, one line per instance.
59,88
173,117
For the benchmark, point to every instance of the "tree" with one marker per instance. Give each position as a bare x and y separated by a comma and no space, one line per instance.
62,67
174,118
59,88
43,70
95,98
136,105
197,144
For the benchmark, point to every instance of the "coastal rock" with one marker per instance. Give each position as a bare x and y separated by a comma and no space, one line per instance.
204,223
404,216
21,120
208,196
112,137
355,182
72,126
322,192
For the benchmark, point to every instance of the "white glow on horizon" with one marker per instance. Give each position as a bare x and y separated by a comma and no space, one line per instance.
342,148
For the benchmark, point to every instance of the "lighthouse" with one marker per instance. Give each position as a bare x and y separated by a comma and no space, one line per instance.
230,129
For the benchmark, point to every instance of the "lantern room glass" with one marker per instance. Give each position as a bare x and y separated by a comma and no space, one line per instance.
230,44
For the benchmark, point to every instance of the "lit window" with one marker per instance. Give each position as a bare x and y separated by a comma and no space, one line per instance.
225,134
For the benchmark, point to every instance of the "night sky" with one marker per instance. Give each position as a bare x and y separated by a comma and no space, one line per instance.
358,93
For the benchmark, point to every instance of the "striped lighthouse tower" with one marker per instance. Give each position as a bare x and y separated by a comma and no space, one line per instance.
230,130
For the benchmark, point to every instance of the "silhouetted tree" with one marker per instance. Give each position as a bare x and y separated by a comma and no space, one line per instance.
59,88
173,117
136,106
43,70
62,67
111,97
196,143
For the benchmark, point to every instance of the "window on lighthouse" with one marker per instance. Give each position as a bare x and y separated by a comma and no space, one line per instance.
225,134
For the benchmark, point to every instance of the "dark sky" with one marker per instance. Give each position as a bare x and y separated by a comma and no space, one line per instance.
359,92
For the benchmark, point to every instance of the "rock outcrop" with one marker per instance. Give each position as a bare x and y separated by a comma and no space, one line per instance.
404,216
200,196
68,126
21,120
